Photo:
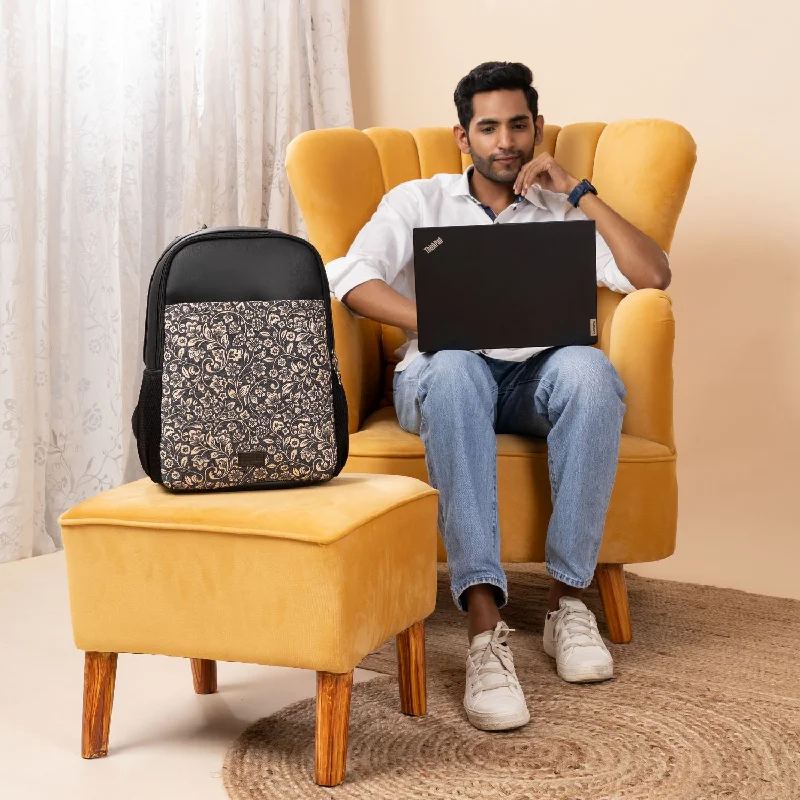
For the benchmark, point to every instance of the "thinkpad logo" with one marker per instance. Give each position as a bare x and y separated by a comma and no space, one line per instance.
433,245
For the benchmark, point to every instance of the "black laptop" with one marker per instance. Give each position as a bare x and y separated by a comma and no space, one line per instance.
485,287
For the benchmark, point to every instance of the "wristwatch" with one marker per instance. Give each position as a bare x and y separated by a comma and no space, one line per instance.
579,191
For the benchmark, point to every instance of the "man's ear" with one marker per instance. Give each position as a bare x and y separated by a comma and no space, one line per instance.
539,130
461,139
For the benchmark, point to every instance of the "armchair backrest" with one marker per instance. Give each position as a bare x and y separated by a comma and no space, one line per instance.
641,168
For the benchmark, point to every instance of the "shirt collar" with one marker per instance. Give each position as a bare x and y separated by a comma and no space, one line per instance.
460,187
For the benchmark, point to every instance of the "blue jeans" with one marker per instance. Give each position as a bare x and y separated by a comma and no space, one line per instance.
457,401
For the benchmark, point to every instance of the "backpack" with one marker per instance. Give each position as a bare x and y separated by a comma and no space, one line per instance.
241,387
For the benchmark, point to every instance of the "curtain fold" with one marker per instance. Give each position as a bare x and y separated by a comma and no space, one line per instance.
123,125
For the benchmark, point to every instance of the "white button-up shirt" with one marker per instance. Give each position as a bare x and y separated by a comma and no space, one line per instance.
384,250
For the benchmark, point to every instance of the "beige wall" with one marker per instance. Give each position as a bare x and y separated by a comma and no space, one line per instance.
727,70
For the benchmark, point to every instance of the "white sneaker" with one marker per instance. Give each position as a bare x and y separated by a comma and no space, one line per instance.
572,639
493,698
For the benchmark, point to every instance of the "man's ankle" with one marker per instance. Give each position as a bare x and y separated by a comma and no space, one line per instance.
481,627
483,614
559,590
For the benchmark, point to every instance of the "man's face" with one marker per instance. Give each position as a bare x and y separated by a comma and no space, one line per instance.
502,134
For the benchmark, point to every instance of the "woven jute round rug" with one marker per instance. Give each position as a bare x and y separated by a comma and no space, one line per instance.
705,704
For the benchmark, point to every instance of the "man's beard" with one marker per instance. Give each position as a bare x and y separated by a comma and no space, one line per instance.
501,173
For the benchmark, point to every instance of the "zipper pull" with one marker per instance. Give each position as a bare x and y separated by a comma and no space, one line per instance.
181,235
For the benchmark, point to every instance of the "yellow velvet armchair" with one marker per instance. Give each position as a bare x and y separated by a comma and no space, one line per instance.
642,169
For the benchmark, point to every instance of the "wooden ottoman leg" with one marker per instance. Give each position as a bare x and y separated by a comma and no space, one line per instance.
411,670
99,674
204,673
614,594
333,724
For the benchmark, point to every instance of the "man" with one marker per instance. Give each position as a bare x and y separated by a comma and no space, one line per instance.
458,400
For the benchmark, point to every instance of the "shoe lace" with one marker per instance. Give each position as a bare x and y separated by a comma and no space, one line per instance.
496,659
578,628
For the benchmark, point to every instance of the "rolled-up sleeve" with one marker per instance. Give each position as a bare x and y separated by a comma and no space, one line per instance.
608,273
383,247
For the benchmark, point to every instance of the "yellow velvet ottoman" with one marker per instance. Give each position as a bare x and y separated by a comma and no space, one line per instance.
314,577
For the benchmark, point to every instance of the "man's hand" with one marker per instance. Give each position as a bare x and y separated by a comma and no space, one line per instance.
548,173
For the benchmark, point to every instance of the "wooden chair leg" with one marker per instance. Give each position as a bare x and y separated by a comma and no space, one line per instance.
411,670
614,594
333,724
204,673
99,675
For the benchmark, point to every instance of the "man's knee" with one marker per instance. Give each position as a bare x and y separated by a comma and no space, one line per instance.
458,370
456,383
587,371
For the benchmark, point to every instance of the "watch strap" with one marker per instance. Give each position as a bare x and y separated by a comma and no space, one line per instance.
579,191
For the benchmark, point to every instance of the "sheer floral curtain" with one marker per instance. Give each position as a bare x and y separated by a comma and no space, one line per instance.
123,124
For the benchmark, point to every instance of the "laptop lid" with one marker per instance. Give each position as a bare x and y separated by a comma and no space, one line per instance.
482,287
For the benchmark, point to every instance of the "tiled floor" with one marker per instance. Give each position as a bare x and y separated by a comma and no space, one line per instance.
166,741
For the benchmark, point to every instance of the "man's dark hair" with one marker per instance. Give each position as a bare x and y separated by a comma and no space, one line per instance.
489,77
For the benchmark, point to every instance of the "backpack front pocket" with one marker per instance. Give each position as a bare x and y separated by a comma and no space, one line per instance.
246,395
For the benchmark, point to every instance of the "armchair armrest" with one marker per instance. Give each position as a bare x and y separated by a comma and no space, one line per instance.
641,347
358,353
